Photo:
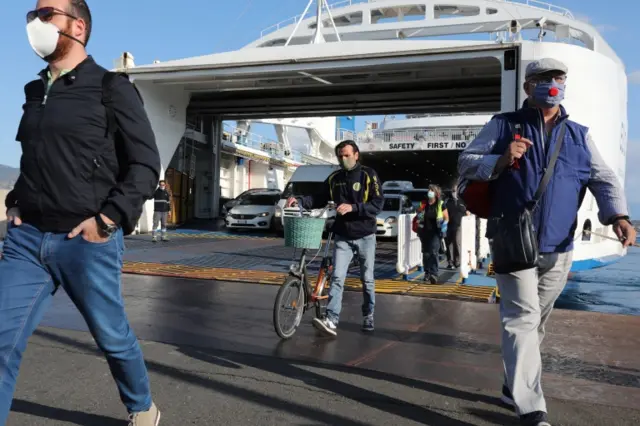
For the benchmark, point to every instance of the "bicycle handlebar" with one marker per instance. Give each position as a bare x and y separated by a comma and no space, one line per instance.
302,210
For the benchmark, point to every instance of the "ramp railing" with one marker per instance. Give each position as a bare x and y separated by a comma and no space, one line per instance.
482,241
409,246
468,247
474,247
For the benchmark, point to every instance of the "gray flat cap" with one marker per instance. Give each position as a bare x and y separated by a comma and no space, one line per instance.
544,65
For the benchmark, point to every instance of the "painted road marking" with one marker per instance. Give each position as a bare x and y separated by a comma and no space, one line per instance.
221,235
383,286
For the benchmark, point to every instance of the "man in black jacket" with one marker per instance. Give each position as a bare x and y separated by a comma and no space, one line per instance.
457,210
161,207
356,191
89,162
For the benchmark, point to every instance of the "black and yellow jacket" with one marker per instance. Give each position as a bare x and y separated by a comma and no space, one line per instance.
359,187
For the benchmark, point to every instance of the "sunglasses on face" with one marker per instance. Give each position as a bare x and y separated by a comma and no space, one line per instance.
46,14
548,78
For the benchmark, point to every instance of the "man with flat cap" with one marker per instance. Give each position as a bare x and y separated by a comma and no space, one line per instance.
512,154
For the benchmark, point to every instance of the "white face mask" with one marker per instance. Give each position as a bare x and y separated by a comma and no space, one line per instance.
43,37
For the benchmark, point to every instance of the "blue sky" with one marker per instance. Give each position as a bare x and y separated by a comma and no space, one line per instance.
170,30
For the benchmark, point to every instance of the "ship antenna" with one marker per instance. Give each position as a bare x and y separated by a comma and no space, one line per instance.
317,37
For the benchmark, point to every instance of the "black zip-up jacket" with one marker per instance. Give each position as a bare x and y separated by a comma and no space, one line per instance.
162,201
359,187
457,210
69,170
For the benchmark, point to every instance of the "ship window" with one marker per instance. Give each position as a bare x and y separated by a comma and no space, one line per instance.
345,20
491,11
386,15
276,42
454,11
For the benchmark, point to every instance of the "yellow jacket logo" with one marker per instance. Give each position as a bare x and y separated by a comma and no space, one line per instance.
357,186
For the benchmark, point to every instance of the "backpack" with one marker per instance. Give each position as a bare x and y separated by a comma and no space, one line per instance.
475,194
112,133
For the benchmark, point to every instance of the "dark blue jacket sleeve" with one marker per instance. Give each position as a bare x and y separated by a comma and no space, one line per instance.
374,204
316,201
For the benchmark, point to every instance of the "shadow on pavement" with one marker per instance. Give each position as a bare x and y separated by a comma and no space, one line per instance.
286,368
494,417
60,414
398,407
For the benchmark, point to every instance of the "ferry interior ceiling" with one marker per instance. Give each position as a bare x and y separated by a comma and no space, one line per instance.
428,90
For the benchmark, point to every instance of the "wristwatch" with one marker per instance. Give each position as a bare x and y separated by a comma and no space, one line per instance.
625,218
103,226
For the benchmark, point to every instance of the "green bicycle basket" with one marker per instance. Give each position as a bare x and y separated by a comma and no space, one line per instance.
303,232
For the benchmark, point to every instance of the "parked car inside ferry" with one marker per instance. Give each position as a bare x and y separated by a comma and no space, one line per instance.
230,203
416,196
387,220
254,211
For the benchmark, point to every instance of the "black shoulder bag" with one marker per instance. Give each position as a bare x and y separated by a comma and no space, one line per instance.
515,243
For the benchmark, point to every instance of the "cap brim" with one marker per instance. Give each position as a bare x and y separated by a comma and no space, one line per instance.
546,71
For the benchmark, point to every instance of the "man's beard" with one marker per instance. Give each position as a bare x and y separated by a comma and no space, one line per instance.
63,48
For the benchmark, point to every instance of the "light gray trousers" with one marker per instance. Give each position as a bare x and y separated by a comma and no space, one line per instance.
526,301
160,219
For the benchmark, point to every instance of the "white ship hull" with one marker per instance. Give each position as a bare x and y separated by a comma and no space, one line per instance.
388,57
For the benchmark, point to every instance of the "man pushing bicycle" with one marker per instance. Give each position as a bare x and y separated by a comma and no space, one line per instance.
355,189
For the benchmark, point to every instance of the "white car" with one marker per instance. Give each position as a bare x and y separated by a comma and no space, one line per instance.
254,211
396,186
387,219
229,204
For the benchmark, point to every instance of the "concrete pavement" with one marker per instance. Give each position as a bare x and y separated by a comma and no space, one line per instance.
214,359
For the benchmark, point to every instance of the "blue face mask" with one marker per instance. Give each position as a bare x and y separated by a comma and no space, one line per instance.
431,194
549,94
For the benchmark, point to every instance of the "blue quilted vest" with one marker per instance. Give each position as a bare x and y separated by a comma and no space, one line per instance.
555,216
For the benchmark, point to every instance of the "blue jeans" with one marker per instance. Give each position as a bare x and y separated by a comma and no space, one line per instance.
431,252
32,266
344,250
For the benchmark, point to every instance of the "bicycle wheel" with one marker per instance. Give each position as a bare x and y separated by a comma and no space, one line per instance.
285,304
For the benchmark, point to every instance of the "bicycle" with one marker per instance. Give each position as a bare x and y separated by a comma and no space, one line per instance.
298,280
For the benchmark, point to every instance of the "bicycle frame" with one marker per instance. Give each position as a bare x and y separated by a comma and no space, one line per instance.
313,294
299,270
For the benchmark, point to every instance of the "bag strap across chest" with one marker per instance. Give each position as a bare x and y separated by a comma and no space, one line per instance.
550,167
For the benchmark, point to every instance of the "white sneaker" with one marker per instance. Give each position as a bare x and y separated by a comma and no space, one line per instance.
325,326
146,418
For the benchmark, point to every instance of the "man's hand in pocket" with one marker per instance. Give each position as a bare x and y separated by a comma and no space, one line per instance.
13,215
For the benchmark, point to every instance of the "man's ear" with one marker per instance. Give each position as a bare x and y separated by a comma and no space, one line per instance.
80,30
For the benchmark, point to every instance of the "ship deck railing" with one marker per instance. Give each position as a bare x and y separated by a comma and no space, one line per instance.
420,135
538,4
274,149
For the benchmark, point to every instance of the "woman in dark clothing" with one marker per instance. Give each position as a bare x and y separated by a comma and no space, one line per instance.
432,225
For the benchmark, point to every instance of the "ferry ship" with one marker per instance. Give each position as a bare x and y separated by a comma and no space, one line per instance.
446,67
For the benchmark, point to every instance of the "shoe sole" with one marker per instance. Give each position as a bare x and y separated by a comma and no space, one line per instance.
158,419
323,329
368,330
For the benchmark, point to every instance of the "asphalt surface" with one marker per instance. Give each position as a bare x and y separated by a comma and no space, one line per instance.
214,359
